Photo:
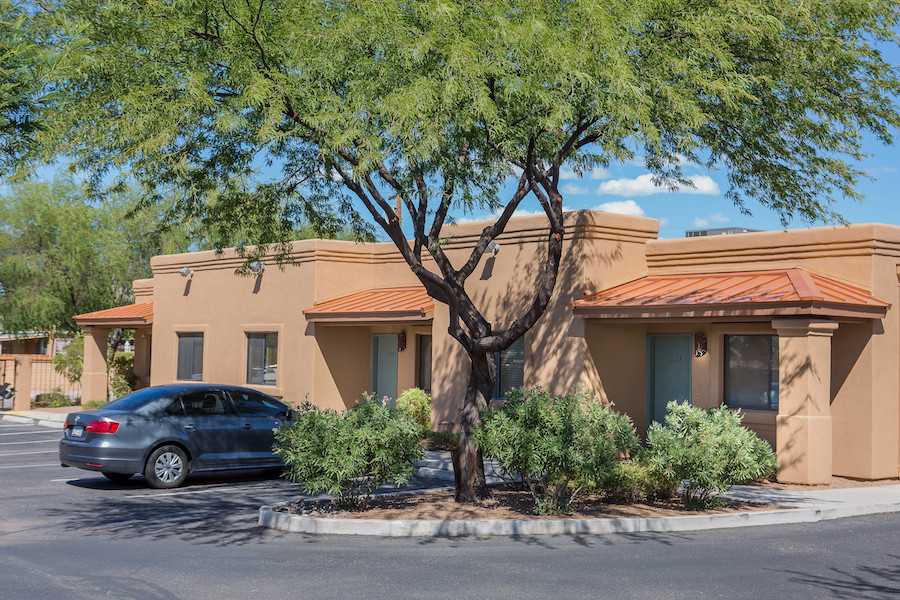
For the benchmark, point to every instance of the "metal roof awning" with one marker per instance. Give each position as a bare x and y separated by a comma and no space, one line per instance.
403,304
748,295
134,315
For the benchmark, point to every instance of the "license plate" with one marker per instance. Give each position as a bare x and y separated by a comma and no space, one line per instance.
78,431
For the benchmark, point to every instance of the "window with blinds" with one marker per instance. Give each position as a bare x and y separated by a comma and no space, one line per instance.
262,358
190,357
510,368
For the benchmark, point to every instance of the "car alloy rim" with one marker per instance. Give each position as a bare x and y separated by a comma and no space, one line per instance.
168,467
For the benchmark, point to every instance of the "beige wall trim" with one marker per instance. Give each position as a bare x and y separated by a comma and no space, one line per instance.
762,312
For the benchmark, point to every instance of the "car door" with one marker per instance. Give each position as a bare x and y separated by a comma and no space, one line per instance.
258,416
211,427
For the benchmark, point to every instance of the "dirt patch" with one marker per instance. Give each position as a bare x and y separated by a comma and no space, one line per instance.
504,503
837,483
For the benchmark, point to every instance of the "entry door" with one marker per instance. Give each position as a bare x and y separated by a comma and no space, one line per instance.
668,373
384,365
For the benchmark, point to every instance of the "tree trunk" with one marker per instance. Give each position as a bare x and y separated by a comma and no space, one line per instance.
468,462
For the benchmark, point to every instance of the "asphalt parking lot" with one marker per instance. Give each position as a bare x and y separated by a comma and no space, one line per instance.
73,534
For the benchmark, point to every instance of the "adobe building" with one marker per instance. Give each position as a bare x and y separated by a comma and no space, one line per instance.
799,329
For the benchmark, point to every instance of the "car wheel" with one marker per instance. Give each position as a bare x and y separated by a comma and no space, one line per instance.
118,477
167,467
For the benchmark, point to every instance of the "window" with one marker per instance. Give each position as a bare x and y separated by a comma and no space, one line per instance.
262,358
190,357
751,372
204,403
256,405
424,359
510,368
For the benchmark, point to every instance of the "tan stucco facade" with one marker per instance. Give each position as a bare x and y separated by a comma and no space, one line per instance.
838,377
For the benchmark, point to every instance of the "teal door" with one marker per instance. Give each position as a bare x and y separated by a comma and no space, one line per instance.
384,365
668,372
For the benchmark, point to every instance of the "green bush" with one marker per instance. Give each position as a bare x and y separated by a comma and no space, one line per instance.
51,400
553,441
441,440
708,451
349,453
634,481
122,379
417,403
70,361
91,404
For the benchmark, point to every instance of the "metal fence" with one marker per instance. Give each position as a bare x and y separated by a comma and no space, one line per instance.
44,379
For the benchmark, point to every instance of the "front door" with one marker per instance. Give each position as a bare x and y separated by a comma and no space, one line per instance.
384,365
668,372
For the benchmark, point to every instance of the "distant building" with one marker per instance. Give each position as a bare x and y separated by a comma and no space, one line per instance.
718,231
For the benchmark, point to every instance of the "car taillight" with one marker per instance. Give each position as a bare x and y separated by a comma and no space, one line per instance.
66,425
102,426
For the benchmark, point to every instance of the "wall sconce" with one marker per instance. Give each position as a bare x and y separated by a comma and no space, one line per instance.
257,267
186,272
401,341
699,344
493,248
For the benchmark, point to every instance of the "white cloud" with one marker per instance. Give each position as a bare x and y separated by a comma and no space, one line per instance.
622,207
664,222
571,188
700,223
703,222
719,218
880,170
595,173
643,186
496,215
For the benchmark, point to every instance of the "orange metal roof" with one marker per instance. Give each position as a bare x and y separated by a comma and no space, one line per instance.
782,292
388,304
134,314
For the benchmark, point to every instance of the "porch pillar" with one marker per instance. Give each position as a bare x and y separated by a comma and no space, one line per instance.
93,373
142,356
803,424
22,383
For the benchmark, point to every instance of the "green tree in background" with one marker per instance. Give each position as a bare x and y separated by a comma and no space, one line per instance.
265,113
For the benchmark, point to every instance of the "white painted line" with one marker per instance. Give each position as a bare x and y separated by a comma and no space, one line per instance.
13,425
35,432
66,480
24,453
47,441
29,466
205,491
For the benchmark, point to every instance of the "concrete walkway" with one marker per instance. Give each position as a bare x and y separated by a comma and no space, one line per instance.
47,417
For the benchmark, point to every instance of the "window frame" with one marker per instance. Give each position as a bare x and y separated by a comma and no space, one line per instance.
772,379
248,335
497,394
192,333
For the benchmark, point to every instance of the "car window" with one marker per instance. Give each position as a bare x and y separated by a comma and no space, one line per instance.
138,399
206,402
248,403
175,407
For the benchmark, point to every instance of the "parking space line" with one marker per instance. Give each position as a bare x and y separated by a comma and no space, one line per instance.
35,432
209,490
47,441
24,453
29,466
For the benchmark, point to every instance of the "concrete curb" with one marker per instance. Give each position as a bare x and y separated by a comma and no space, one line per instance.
42,419
517,527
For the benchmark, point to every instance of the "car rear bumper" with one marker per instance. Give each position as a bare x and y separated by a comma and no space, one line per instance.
96,458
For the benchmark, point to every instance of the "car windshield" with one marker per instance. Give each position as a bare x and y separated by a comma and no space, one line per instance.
138,399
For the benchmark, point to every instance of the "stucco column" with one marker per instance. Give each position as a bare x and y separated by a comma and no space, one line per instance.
142,356
803,425
93,373
22,383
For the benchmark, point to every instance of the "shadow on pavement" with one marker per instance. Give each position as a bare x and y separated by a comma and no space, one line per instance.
860,582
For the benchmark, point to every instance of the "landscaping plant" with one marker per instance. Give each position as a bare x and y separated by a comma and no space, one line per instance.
553,441
417,403
349,453
633,481
708,450
53,399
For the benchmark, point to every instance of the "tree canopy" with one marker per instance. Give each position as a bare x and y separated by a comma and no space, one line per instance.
265,112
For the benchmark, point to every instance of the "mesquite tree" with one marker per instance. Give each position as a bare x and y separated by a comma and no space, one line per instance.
265,112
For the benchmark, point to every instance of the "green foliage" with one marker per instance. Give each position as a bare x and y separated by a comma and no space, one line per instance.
62,254
91,404
552,441
417,404
708,450
349,453
122,379
70,362
631,481
50,400
441,440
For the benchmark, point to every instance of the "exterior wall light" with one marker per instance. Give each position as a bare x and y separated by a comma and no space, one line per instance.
700,344
257,267
186,272
493,248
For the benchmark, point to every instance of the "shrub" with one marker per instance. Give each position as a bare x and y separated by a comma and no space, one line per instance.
349,454
636,481
417,403
91,404
552,441
70,361
441,440
708,450
122,379
51,400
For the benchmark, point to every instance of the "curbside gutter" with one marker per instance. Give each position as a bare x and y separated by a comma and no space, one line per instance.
268,517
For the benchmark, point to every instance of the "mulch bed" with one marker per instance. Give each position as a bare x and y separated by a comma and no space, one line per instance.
504,503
